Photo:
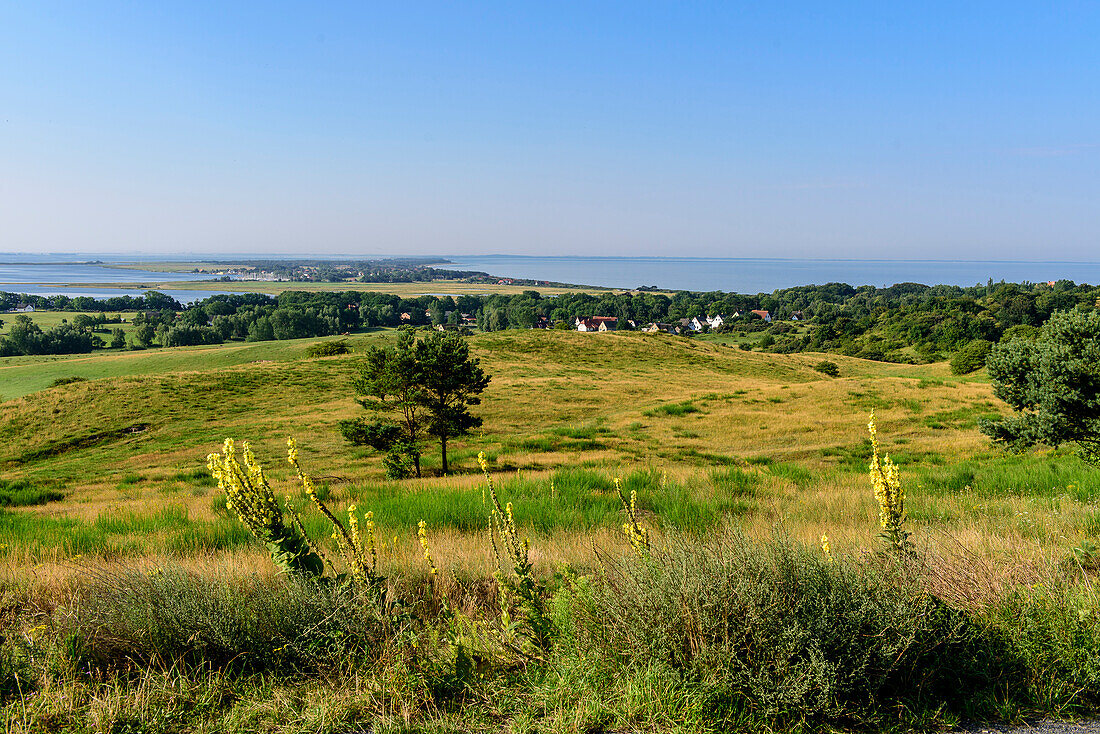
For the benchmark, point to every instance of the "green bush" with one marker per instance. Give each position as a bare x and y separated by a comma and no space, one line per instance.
165,617
67,380
971,357
783,634
826,367
327,349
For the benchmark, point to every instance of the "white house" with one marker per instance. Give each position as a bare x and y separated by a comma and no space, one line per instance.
597,323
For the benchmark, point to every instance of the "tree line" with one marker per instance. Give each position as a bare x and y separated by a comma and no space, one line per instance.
903,322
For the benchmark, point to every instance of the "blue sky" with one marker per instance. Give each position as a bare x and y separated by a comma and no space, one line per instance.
948,130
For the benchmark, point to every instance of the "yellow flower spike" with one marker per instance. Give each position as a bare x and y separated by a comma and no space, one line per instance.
638,536
890,495
825,548
422,535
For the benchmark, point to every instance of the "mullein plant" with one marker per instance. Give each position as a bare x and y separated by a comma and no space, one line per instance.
361,561
519,589
890,496
248,495
639,536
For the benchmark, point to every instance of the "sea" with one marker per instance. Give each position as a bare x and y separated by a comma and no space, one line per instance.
73,275
764,275
48,276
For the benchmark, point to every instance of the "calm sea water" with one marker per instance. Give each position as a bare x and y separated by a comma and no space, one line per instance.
744,275
757,275
33,278
82,273
183,296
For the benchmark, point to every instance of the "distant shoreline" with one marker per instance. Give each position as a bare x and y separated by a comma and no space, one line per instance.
588,273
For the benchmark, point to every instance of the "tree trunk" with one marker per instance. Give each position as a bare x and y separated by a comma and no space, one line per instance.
416,462
443,446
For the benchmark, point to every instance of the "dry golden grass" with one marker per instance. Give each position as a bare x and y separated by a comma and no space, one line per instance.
557,399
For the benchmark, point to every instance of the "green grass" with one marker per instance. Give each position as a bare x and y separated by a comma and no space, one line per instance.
686,407
23,375
683,638
21,493
583,500
112,535
1019,476
49,319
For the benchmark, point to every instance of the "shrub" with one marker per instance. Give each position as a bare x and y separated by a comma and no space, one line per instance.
1020,331
971,357
164,617
827,367
1052,384
67,380
328,349
778,632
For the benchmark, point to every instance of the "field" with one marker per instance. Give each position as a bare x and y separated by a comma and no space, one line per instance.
49,319
108,471
133,438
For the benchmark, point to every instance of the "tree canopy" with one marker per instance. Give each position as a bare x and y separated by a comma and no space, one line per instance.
1053,382
426,387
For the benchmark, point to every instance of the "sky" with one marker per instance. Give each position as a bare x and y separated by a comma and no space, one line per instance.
929,130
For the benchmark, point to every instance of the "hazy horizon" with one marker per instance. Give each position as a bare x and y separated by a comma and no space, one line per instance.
792,130
230,256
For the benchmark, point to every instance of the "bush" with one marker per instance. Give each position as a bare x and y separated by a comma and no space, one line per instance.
1020,331
971,357
67,381
828,368
165,617
778,632
328,349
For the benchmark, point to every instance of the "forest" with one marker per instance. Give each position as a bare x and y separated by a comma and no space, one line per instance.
906,322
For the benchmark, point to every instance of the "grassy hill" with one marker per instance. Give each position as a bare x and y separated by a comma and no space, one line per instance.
704,431
135,601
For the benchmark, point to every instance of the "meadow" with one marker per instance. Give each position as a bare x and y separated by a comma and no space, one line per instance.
104,476
50,319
